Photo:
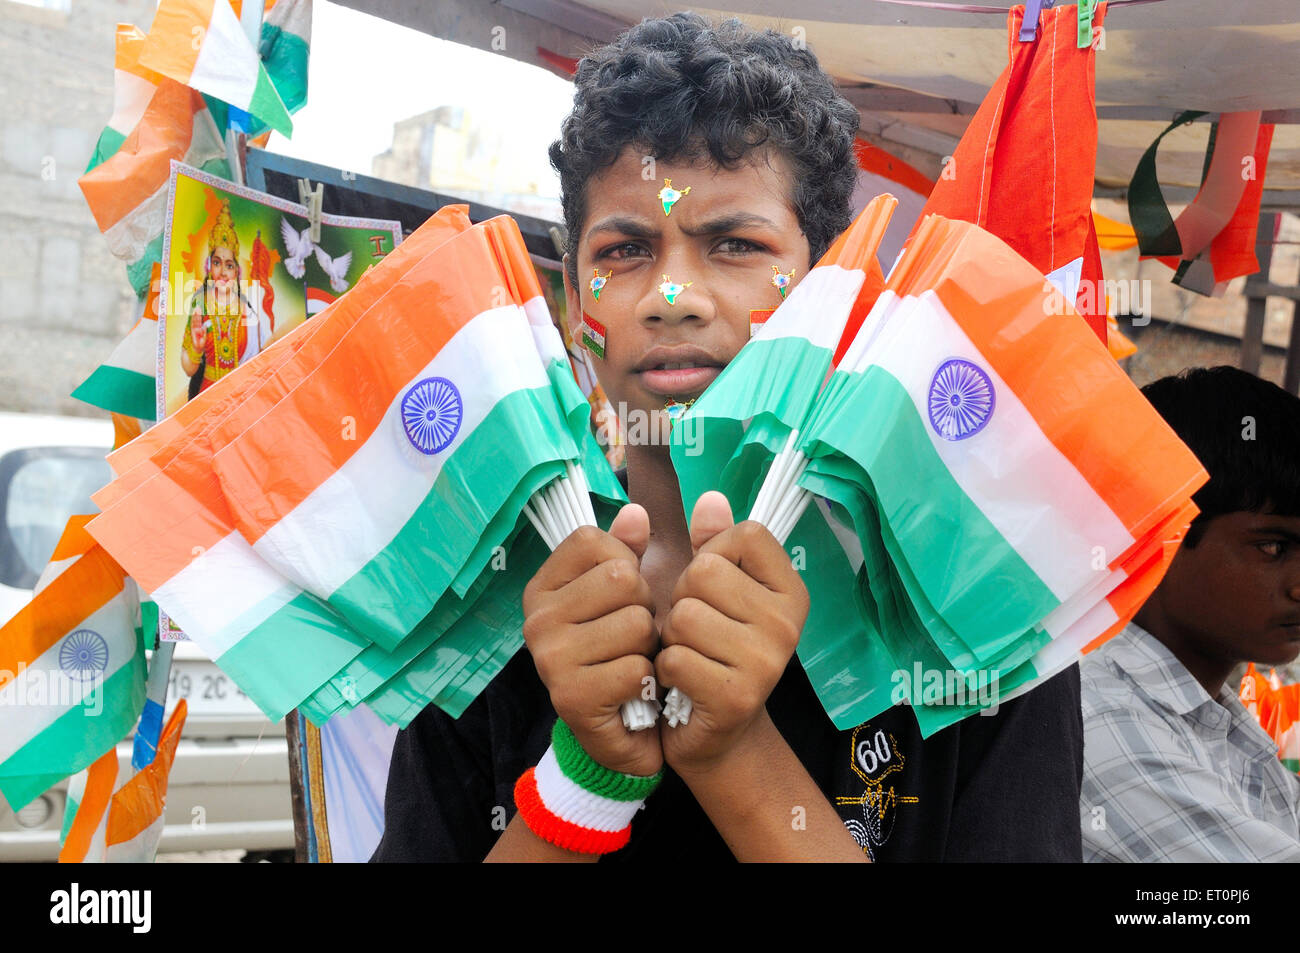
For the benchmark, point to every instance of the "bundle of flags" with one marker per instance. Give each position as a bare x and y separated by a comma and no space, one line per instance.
344,518
1277,707
72,669
204,66
1004,493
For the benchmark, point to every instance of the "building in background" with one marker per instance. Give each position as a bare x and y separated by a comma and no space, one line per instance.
446,150
64,299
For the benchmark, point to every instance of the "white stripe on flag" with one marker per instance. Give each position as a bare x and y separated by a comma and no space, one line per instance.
131,94
1010,470
227,65
130,234
826,290
251,592
550,346
139,849
24,721
354,515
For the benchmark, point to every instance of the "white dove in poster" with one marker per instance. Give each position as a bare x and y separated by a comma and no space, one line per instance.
299,245
336,268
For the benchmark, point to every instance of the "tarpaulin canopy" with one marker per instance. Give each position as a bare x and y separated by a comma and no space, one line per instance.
917,69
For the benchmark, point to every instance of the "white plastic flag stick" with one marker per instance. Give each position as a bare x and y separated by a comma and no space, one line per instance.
782,533
539,526
790,498
559,513
561,495
548,513
763,501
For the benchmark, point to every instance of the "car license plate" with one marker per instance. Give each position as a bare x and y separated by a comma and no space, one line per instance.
207,690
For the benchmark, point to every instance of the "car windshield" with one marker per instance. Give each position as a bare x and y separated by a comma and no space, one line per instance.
43,493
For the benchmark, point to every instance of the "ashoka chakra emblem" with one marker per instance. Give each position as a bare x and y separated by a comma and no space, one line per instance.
961,399
83,654
431,414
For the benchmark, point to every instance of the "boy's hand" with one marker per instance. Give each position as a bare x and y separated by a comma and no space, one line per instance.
737,613
589,623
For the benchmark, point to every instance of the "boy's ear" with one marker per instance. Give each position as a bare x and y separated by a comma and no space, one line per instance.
573,301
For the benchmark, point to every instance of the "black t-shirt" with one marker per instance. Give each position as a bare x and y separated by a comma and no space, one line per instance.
1003,787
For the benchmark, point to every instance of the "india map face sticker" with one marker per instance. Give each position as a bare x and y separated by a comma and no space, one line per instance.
961,399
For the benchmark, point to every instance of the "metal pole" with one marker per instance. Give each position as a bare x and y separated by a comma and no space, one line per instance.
1252,336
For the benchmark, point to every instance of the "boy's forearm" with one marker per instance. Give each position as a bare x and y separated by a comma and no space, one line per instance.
518,844
767,807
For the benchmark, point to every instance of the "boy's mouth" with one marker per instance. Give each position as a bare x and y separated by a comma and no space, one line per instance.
678,370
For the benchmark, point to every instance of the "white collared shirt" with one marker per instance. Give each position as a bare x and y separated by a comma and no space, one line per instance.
1171,774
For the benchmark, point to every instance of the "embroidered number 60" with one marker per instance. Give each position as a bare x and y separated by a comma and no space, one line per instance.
873,753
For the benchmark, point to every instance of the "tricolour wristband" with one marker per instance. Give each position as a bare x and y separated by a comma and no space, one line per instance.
575,803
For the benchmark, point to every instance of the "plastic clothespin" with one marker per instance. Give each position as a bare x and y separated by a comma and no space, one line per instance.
1029,25
1087,8
313,199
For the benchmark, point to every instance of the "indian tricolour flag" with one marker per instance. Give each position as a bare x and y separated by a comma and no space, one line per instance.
133,87
85,812
135,815
769,387
202,44
71,675
380,517
127,193
123,826
125,382
284,46
1041,462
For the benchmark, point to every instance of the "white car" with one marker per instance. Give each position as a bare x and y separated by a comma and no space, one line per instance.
229,785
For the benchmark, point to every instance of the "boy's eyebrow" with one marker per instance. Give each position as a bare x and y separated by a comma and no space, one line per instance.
636,228
729,222
1288,534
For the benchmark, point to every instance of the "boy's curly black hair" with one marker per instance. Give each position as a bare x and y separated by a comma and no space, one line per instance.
681,88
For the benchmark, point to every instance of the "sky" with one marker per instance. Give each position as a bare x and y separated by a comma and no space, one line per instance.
367,73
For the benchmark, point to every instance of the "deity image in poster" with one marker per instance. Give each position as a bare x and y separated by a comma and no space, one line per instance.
229,320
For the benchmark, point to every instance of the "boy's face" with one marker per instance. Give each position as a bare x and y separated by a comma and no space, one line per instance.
1236,594
723,237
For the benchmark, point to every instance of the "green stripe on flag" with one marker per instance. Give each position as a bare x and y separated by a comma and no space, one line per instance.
76,738
285,56
120,391
267,106
847,662
283,660
973,577
140,271
110,140
518,435
704,443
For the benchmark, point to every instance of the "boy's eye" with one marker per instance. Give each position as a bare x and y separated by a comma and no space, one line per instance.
737,246
1272,547
624,250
